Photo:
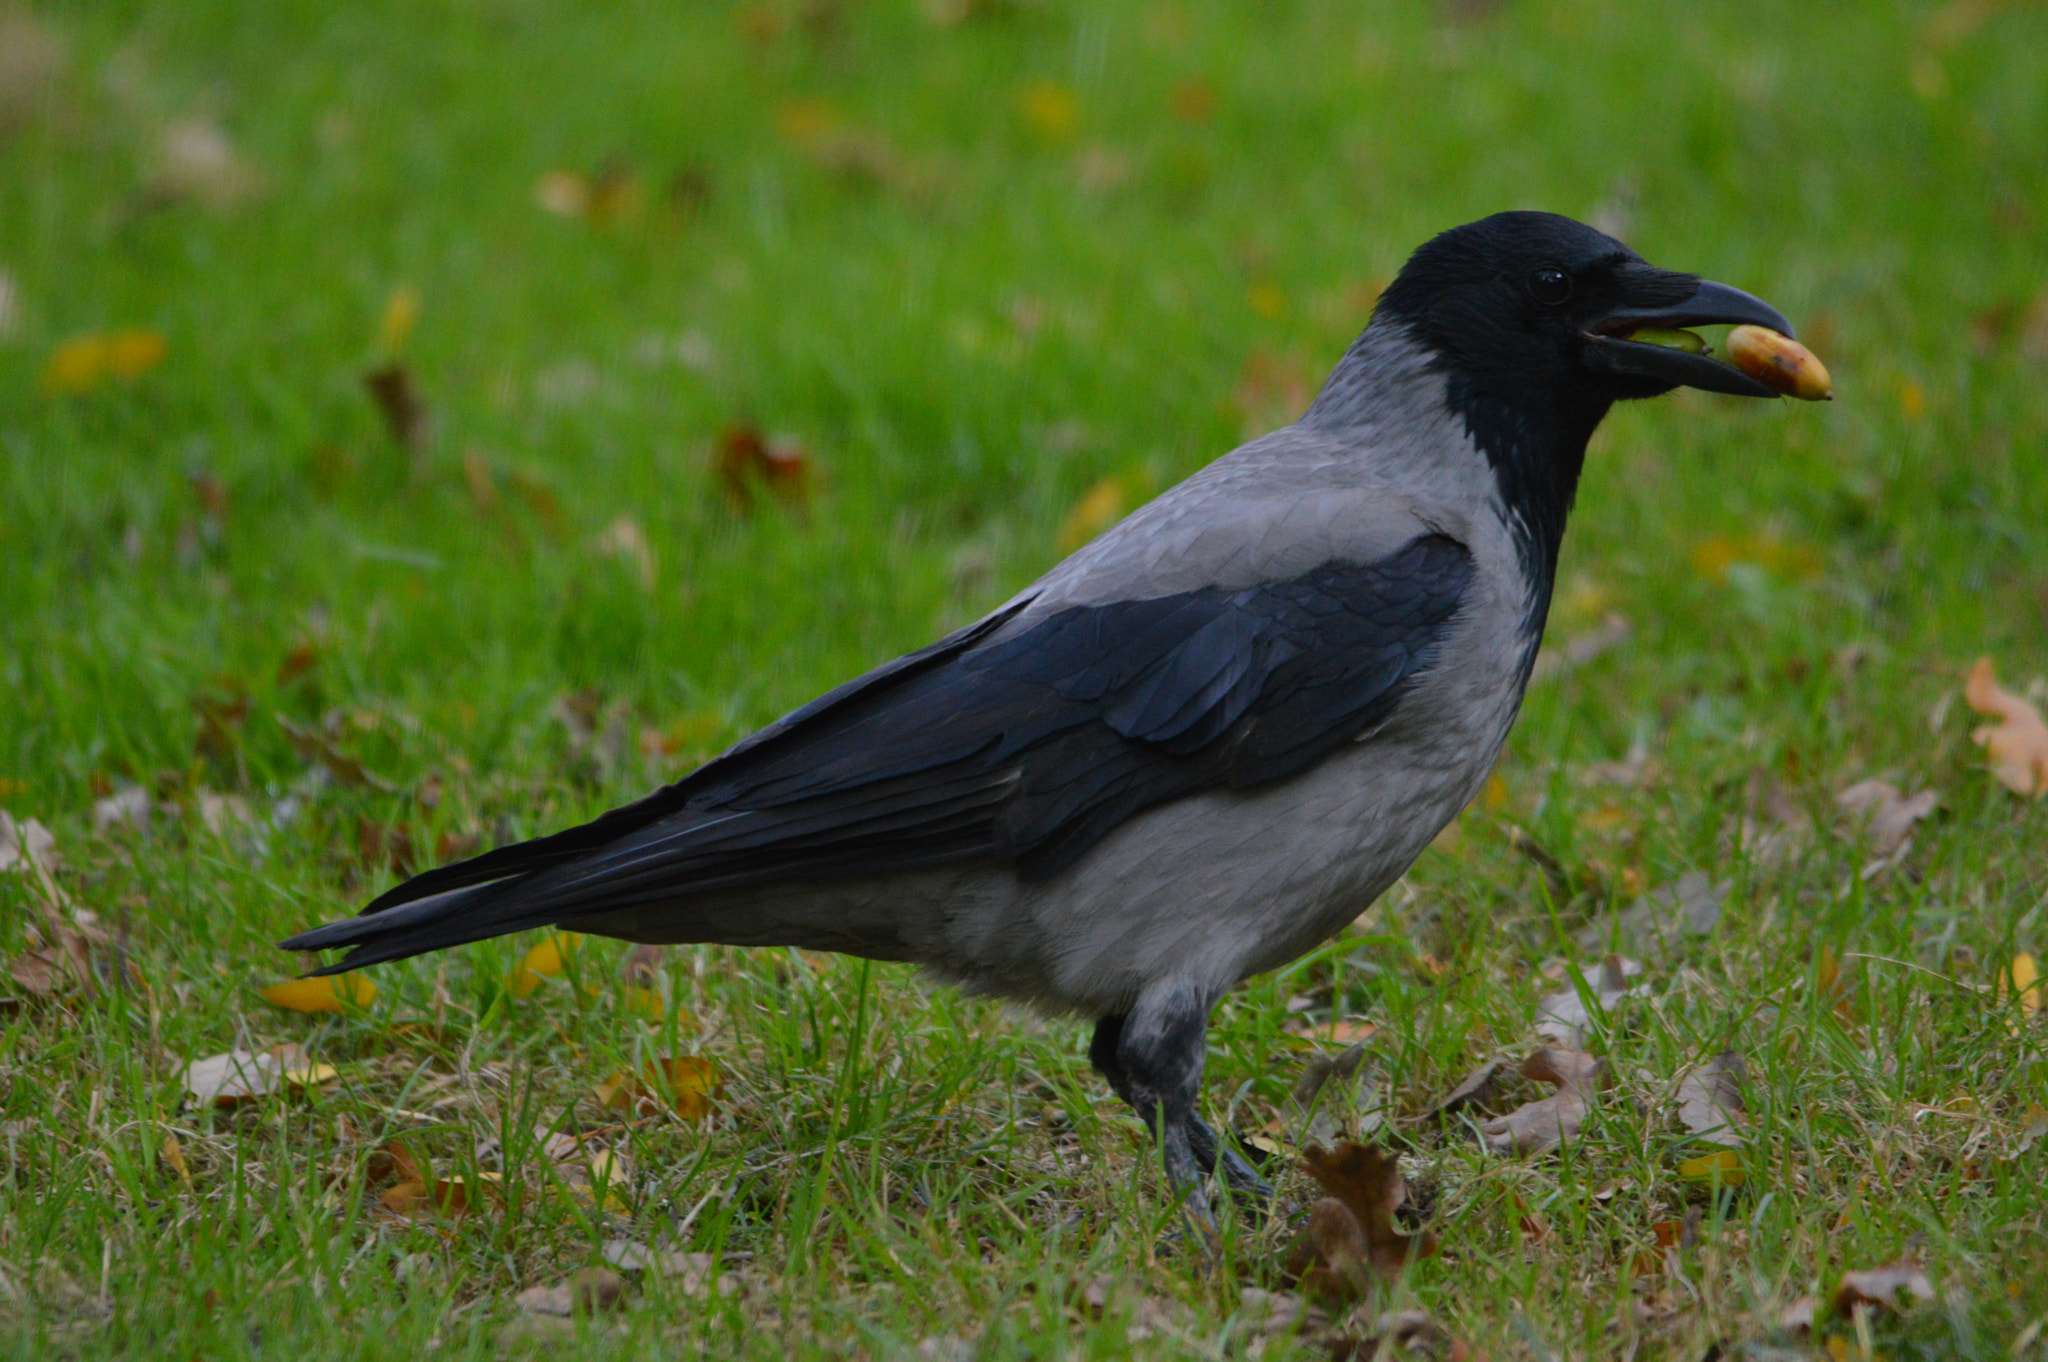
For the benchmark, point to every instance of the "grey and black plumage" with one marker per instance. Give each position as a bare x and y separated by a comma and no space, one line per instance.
1200,745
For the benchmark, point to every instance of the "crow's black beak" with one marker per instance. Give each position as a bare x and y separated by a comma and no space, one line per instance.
1709,304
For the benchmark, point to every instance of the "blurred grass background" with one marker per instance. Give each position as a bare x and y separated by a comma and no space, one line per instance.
992,271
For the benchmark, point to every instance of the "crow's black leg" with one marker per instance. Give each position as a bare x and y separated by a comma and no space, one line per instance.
1243,1179
1152,1055
1209,1152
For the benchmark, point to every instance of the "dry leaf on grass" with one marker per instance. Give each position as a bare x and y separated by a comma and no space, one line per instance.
1564,1016
1352,1238
1336,1031
747,461
544,961
624,540
1326,1094
324,750
1479,1090
28,849
693,1273
1546,1123
2020,981
83,363
328,993
1099,508
398,398
593,1290
2017,745
239,1077
1882,1288
173,1155
415,1191
692,1080
1663,919
1710,1100
1710,1106
1887,816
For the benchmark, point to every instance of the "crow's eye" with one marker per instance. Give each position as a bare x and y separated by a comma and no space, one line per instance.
1550,285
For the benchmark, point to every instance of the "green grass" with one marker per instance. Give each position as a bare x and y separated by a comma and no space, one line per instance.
969,318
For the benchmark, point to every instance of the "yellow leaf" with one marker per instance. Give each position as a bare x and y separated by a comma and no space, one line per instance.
692,1079
84,362
808,121
1052,110
77,366
2022,981
643,1002
2017,745
401,311
1716,555
544,961
1912,400
1266,299
329,993
1092,514
173,1155
309,1076
131,354
1723,1166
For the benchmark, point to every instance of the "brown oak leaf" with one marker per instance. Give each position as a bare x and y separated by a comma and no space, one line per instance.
1535,1127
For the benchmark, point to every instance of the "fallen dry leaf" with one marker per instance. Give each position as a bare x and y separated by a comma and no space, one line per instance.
398,399
453,1197
1276,1312
1479,1089
173,1155
746,461
1564,1016
29,849
329,993
1710,1100
693,1273
401,314
1336,1031
693,1081
624,540
544,961
323,748
1099,507
239,1077
1888,817
1535,1127
1052,110
2021,981
1352,1237
1882,1287
2017,745
83,363
1326,1095
385,846
589,1291
1663,919
37,973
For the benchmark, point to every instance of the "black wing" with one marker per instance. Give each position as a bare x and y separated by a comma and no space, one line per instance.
1030,749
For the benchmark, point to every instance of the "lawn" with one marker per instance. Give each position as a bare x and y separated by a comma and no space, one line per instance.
746,346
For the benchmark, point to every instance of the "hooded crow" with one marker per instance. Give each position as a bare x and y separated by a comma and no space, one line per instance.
1200,745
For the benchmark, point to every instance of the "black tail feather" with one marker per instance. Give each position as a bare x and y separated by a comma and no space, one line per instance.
452,918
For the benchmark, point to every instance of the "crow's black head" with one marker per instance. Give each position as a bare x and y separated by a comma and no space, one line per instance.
1527,315
1531,309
